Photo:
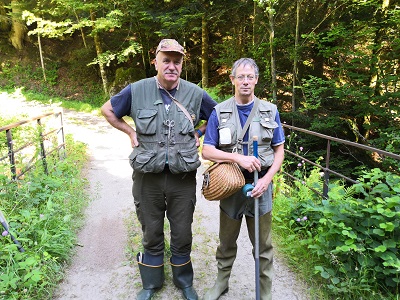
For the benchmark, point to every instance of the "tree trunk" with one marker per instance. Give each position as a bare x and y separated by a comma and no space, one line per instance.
272,54
146,66
99,52
296,44
145,53
253,38
41,57
4,26
378,41
374,80
204,52
82,32
18,29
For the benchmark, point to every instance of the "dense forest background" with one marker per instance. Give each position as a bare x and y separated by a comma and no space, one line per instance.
331,66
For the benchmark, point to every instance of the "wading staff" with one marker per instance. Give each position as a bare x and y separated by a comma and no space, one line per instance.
7,228
247,192
256,225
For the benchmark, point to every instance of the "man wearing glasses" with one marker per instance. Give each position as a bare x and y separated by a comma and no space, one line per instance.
222,143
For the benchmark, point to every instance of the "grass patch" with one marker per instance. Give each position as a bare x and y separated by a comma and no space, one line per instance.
44,212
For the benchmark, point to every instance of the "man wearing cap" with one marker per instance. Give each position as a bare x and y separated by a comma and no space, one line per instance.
165,109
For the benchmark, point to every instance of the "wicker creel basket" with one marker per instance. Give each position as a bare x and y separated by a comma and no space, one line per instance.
222,180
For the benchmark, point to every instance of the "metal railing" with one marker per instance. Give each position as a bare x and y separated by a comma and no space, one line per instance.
326,170
37,142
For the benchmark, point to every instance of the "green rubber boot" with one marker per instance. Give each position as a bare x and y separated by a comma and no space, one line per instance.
183,279
226,254
152,279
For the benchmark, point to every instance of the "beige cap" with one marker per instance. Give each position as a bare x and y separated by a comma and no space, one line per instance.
170,45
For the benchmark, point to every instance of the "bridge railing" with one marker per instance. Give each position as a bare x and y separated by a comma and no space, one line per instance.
37,147
326,169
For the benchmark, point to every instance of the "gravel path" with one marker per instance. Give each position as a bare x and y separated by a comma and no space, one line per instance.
100,268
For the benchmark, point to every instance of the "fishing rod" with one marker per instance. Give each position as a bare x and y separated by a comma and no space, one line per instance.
3,222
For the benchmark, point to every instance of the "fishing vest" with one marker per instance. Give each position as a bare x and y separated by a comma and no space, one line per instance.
262,126
164,137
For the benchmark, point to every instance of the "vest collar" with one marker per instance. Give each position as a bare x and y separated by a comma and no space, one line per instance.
160,87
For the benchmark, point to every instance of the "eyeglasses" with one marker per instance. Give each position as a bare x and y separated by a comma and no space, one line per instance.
243,77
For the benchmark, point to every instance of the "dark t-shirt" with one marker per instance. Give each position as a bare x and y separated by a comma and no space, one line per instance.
121,102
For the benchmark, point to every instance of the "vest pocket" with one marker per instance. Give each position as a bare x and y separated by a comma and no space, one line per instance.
268,127
227,134
184,161
146,121
144,162
266,157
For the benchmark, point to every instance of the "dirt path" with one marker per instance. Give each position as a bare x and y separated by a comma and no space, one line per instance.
100,269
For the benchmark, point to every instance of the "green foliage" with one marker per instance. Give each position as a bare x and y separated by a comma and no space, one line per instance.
317,91
311,148
352,236
389,140
215,93
355,96
3,138
43,213
15,74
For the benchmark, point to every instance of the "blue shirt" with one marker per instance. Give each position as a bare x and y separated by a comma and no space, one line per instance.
212,135
121,102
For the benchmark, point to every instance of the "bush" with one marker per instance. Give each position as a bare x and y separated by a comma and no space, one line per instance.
43,213
353,235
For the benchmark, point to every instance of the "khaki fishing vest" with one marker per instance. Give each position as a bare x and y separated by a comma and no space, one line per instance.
262,126
164,137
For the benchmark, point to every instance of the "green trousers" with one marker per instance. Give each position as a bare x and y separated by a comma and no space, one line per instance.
226,253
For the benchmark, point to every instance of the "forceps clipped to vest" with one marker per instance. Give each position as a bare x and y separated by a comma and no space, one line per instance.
170,124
